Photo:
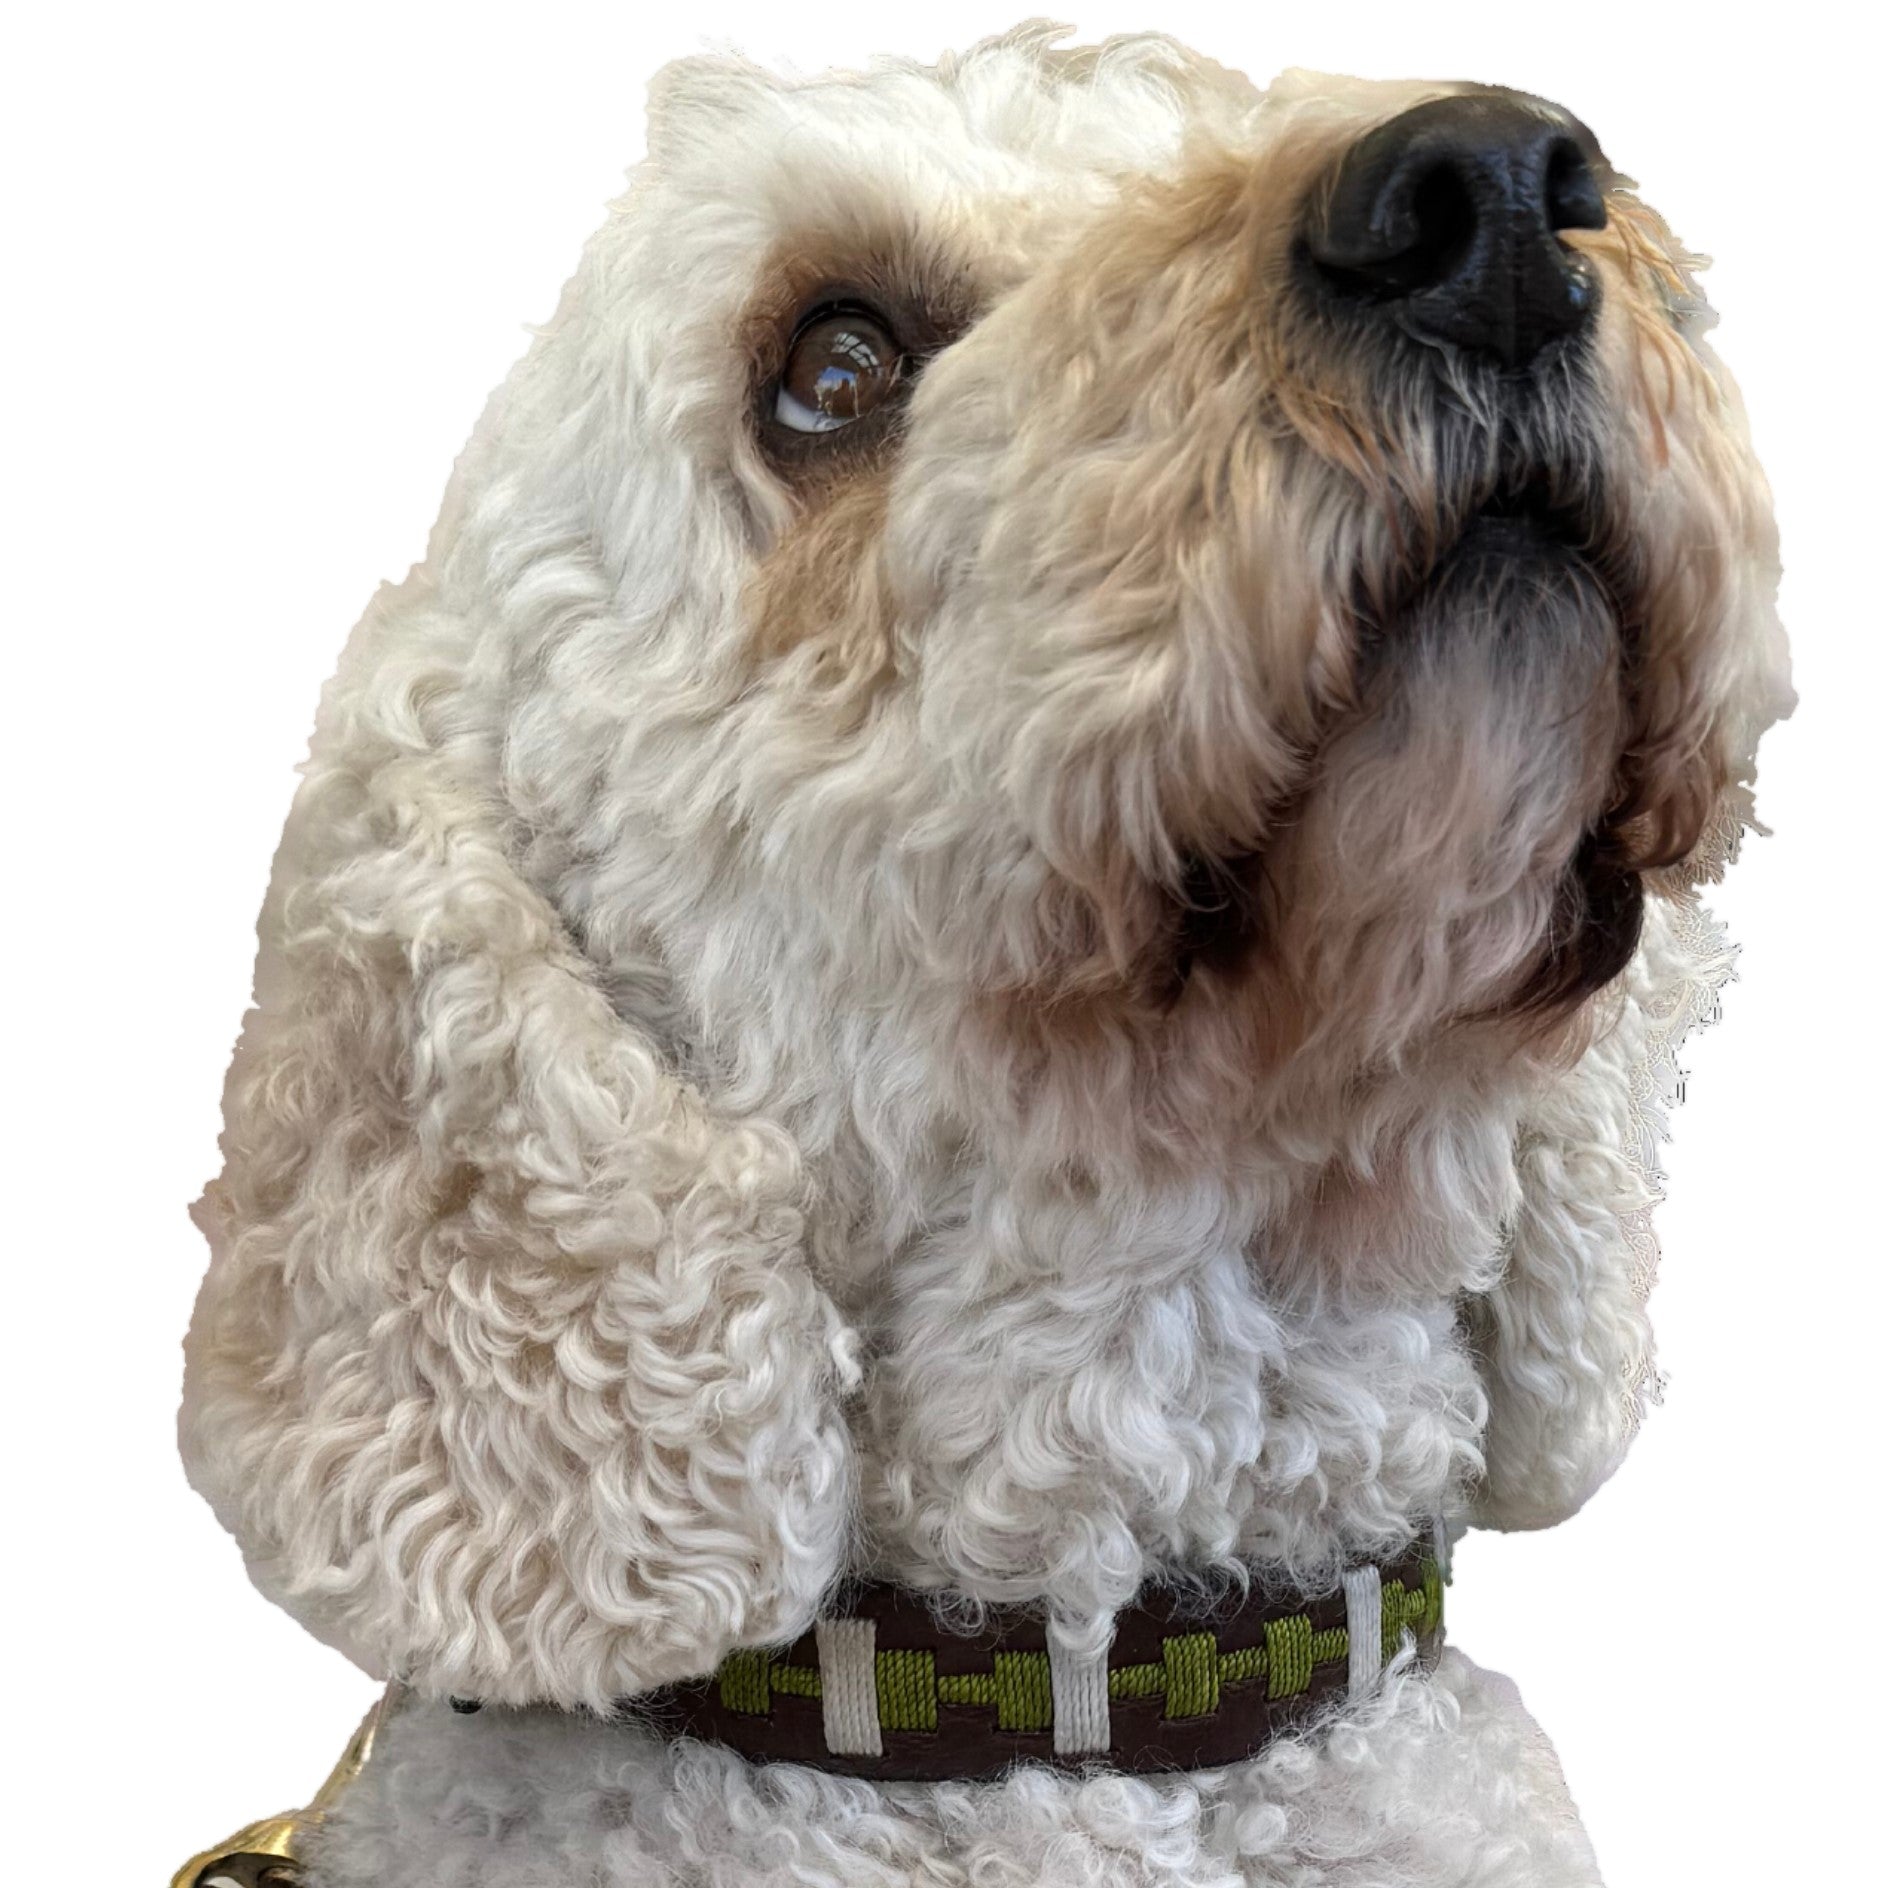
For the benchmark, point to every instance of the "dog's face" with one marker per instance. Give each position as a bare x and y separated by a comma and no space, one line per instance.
1159,605
1097,666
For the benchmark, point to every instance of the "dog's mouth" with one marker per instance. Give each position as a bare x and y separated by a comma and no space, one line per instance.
1218,903
1534,512
1528,518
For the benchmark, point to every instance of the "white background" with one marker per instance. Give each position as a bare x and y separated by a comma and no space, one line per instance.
264,264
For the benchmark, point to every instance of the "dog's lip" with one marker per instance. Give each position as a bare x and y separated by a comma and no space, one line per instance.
1522,527
1534,506
1527,515
1537,501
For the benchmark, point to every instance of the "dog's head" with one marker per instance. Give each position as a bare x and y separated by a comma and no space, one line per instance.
1055,614
1201,596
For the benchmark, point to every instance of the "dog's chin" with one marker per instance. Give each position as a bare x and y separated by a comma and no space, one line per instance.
1530,577
1512,639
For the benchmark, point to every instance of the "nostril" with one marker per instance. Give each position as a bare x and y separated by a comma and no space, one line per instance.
1445,217
1573,196
1419,228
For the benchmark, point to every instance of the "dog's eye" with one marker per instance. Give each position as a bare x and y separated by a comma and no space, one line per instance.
843,364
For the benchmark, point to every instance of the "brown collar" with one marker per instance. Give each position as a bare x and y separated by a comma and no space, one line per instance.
883,1689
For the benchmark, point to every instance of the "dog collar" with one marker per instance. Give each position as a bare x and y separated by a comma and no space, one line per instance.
884,1690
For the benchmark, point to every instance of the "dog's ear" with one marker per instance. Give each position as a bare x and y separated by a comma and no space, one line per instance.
697,98
1565,1337
509,1374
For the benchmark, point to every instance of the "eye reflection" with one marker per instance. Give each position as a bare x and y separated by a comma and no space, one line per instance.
841,367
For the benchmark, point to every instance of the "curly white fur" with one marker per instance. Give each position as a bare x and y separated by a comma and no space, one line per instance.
509,1364
709,1122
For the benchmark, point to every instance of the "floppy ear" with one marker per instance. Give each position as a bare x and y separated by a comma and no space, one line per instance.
509,1373
1564,1338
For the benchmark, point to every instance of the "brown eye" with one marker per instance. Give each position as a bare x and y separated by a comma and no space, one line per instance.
842,366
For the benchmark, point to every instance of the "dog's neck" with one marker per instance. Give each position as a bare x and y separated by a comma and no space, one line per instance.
1076,1381
1080,1392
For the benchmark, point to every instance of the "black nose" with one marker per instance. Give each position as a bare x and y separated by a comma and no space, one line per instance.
1448,218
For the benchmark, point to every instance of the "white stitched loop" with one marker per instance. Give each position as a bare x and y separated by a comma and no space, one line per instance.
1078,1690
848,1686
1363,1615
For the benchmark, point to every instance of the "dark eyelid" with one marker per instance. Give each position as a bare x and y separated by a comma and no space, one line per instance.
834,309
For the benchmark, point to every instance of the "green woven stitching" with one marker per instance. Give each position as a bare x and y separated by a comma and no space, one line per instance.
1291,1653
1247,1662
907,1690
1396,1598
967,1688
1192,1664
1413,1609
744,1683
1288,1656
1137,1681
1024,1700
797,1681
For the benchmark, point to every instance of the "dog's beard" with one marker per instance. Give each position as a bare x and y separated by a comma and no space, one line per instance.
1445,862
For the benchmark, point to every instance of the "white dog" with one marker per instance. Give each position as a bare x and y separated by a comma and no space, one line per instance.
1006,912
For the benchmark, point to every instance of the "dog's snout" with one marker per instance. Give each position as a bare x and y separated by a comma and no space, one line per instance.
1448,219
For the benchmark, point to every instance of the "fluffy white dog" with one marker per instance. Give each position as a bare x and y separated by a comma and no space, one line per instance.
1007,910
